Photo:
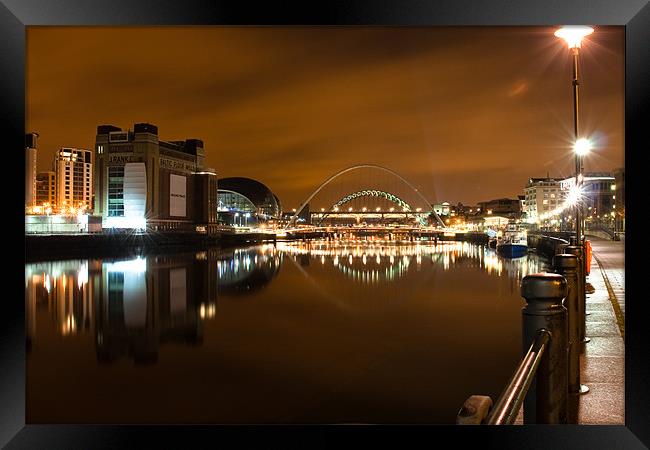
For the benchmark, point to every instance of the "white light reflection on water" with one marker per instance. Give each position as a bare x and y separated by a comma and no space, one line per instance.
448,255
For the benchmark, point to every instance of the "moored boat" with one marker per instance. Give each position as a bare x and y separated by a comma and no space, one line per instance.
513,243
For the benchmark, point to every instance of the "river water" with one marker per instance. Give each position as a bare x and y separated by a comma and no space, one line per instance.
302,332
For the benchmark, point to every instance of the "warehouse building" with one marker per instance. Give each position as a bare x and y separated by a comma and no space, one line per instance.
142,182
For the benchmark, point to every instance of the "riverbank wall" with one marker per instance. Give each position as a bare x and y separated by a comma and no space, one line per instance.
51,247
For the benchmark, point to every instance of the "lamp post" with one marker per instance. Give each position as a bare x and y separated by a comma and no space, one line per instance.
573,36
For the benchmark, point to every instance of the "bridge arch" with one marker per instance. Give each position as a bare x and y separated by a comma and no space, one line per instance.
375,193
338,174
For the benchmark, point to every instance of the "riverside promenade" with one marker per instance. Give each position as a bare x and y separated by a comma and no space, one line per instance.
602,364
603,361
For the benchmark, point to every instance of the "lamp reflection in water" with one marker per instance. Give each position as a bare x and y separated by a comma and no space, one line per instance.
113,301
352,258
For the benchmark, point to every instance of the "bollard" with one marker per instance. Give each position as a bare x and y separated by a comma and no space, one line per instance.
582,296
546,400
474,411
567,266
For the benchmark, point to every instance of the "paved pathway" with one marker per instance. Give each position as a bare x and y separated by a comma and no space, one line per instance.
602,365
603,361
611,256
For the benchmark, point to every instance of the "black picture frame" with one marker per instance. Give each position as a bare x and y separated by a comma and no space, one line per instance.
15,15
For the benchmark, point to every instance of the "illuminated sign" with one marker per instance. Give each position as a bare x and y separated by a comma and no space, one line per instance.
176,164
121,159
177,195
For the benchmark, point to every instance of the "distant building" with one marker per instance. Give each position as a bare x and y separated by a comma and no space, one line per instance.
495,222
501,206
541,195
74,178
30,168
142,181
442,209
619,192
244,201
522,202
46,189
598,193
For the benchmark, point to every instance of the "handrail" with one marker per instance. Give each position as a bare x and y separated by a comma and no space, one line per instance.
509,403
545,324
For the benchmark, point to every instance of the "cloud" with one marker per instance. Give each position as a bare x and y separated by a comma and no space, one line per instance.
292,105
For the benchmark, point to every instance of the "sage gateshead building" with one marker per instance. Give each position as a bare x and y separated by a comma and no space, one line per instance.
142,182
246,202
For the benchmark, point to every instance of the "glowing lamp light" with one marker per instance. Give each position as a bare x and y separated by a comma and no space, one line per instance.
582,146
139,223
138,265
574,196
574,34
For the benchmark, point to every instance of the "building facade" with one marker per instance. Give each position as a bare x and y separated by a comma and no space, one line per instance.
142,181
598,196
541,195
442,209
501,206
46,189
246,202
30,169
74,179
619,192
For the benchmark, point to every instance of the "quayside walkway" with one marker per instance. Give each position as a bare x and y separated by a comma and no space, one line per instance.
603,361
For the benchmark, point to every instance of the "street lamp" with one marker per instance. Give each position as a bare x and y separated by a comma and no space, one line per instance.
573,36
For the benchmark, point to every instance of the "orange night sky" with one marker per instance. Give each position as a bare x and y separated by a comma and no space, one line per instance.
466,114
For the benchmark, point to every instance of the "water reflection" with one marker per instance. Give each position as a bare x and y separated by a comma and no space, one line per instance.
241,271
134,306
325,327
372,262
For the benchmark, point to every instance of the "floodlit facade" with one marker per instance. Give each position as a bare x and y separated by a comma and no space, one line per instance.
541,195
30,169
244,201
597,191
46,189
74,179
143,182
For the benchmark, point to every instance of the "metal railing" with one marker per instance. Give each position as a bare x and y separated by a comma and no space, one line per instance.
507,407
553,331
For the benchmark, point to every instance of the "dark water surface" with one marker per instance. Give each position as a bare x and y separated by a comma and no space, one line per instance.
320,332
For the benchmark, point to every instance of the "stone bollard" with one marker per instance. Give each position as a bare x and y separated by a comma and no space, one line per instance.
546,400
582,296
567,266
